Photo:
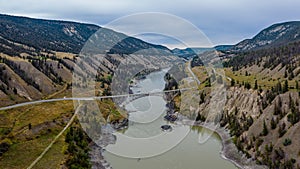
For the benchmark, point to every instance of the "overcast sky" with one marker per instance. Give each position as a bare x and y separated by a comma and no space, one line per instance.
222,21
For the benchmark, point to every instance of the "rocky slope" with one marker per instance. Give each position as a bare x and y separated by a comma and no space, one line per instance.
262,110
264,133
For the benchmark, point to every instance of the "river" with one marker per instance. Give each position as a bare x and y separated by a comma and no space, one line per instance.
134,149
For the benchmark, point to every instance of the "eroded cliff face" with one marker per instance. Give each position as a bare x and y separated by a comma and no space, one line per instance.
264,127
247,101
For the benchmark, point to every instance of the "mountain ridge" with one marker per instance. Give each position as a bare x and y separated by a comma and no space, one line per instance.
61,36
272,36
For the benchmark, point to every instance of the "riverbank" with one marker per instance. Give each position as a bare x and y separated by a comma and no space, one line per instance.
97,148
229,150
97,158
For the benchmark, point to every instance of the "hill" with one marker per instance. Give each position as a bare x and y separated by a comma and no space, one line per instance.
262,110
22,34
275,35
37,56
43,34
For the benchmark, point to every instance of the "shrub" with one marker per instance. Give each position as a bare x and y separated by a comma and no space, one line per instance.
287,142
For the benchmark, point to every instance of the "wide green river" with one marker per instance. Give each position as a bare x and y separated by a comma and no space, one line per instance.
145,146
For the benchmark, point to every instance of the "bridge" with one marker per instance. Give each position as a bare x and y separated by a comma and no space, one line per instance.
132,97
135,95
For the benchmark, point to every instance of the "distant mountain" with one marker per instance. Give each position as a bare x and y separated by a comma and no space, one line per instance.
27,35
223,47
188,53
275,35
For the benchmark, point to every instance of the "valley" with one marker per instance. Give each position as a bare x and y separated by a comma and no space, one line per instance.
44,79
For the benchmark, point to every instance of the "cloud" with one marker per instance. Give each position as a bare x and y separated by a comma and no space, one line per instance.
223,21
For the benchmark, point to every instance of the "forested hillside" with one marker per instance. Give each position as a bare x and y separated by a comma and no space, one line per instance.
37,56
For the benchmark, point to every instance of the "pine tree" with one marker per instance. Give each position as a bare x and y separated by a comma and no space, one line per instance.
15,90
202,98
232,82
255,85
285,86
291,75
273,124
277,109
285,74
265,129
281,130
279,87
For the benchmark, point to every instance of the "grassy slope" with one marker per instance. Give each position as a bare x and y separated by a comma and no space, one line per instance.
47,120
28,144
55,157
265,78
